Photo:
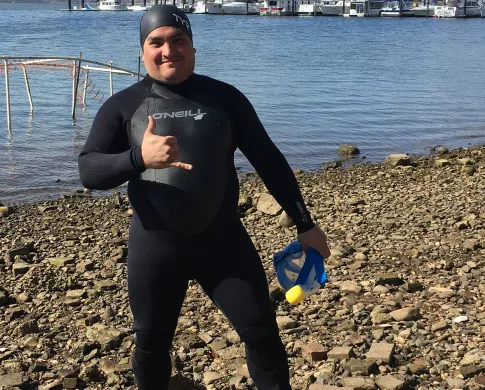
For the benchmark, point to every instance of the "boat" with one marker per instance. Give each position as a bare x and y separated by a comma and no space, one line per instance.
459,10
357,9
111,5
422,10
307,8
240,8
395,8
208,7
482,11
333,8
277,8
361,8
138,8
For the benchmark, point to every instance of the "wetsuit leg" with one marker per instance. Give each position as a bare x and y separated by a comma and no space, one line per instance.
157,283
233,277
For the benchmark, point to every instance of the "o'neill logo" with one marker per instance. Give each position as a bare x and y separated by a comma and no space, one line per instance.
180,114
180,20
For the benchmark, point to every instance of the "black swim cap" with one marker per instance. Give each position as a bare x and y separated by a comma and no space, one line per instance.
163,15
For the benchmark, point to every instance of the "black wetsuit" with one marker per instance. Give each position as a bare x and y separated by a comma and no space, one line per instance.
185,224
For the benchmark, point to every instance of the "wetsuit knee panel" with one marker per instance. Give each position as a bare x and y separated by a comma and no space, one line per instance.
257,334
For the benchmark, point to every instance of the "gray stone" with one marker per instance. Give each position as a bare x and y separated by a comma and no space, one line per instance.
348,150
268,205
359,383
406,314
380,351
60,261
285,220
455,383
362,367
285,322
389,383
341,353
12,380
389,278
395,160
437,326
314,352
211,377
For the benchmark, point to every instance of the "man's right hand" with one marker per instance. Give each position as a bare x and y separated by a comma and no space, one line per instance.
160,152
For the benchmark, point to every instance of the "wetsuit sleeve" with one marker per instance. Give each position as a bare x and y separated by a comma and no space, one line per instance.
255,143
107,161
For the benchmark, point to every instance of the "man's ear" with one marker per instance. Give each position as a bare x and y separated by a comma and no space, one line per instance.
195,50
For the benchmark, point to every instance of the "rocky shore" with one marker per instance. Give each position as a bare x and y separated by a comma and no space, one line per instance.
404,306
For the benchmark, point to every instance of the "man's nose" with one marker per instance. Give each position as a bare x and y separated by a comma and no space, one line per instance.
167,49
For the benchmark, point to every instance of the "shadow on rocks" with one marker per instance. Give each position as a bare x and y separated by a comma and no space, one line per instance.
178,382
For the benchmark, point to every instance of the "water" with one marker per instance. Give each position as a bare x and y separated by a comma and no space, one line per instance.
386,85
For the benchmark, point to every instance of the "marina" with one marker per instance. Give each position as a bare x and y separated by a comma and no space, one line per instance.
346,8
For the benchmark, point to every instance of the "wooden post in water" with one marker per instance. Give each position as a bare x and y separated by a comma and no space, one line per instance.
144,3
86,78
75,84
110,78
69,3
7,92
139,63
132,2
82,4
400,7
427,9
464,9
26,78
343,7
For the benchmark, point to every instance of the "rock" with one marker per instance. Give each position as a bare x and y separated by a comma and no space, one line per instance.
348,150
5,211
333,165
480,380
442,163
341,353
109,338
437,326
211,377
61,261
3,299
316,386
20,269
350,286
389,383
455,383
459,319
359,383
277,293
285,322
285,220
53,385
406,314
314,352
15,379
471,371
442,291
381,351
268,205
389,278
397,160
362,367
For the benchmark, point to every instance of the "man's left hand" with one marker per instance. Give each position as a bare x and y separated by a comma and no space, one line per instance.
315,238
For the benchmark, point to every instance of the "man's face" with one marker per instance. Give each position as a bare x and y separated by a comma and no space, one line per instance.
168,55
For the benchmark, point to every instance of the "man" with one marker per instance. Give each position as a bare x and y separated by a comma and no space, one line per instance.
173,136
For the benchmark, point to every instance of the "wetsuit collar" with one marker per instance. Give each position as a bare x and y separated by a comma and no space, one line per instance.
175,88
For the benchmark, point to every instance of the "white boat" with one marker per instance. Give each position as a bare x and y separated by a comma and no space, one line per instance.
240,8
357,9
332,7
395,8
482,11
138,7
422,10
277,8
307,8
458,10
208,7
111,5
